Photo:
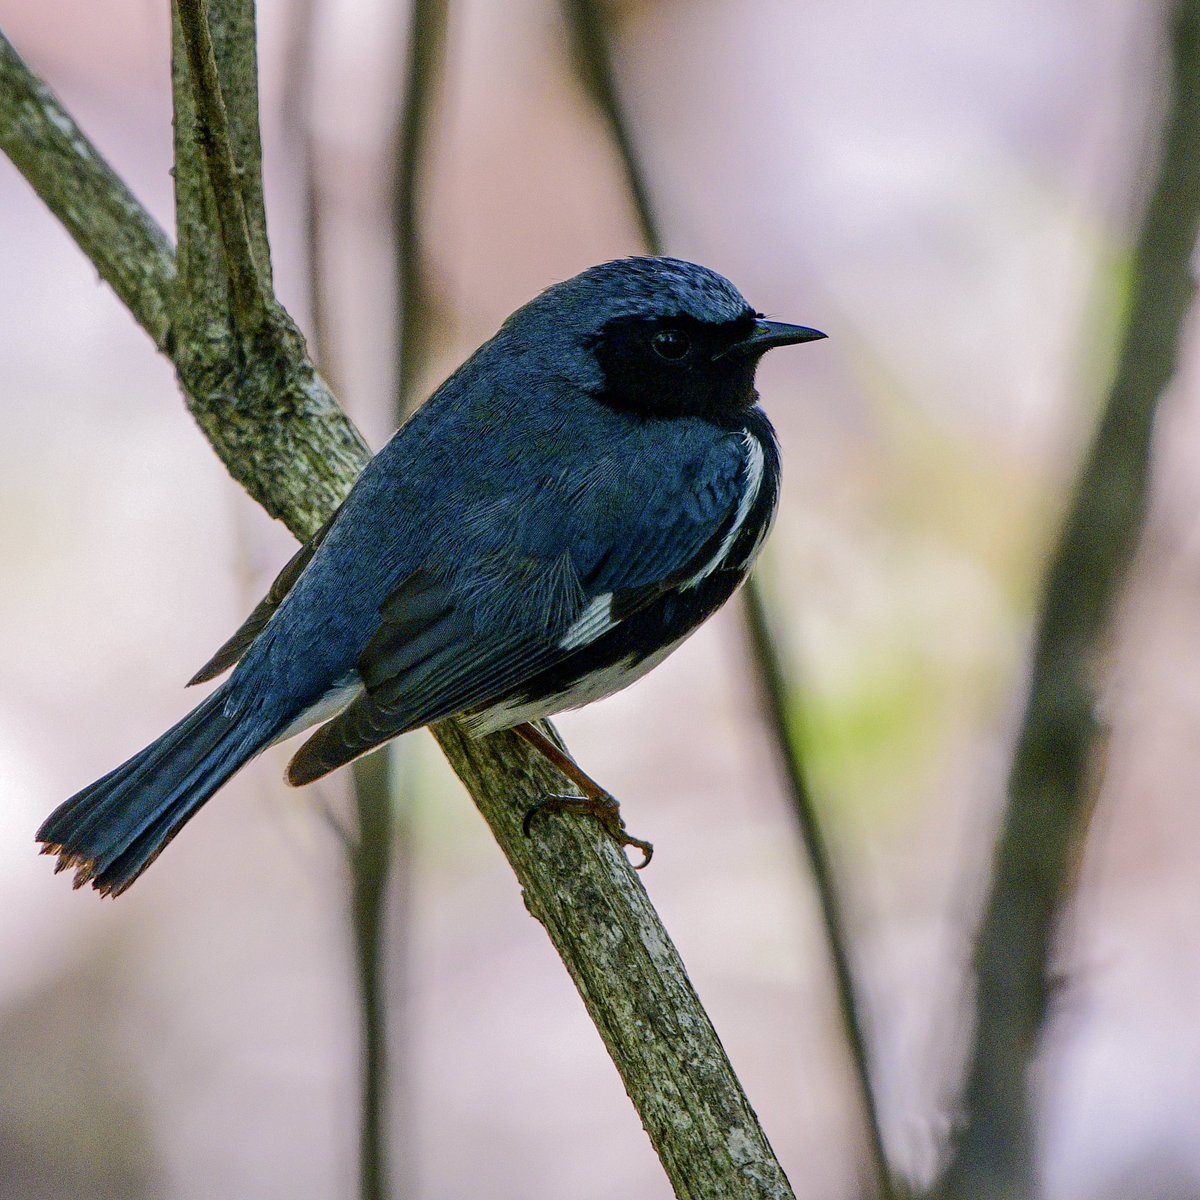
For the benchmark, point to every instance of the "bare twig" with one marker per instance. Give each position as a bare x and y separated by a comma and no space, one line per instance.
124,242
775,697
297,116
370,869
383,853
371,852
426,49
591,43
274,425
1049,798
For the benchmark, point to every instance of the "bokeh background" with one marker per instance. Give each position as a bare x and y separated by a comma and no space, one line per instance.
949,190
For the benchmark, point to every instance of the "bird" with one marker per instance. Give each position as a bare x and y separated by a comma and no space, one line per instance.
565,509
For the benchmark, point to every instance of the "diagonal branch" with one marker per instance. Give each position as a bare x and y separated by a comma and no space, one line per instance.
1049,797
590,41
274,425
593,906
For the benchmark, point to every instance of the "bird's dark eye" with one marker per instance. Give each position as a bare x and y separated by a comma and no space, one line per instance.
671,344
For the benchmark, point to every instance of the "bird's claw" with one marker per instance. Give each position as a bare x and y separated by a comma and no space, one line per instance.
604,808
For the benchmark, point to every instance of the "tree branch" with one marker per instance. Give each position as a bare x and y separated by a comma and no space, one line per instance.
590,44
384,847
123,241
593,906
776,704
297,99
253,390
1049,797
370,868
274,425
426,47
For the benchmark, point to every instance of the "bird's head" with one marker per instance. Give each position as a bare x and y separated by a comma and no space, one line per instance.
655,337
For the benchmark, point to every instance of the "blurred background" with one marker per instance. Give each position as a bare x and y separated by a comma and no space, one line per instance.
949,191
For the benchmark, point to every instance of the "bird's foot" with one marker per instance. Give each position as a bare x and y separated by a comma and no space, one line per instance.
604,808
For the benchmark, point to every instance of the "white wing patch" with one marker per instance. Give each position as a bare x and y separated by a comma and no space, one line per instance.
753,481
595,621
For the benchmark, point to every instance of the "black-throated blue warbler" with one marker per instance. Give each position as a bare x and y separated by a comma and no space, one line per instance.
584,491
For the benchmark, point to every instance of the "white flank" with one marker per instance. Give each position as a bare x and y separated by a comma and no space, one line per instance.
591,687
754,474
329,705
595,620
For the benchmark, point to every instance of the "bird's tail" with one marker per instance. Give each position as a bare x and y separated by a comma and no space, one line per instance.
113,830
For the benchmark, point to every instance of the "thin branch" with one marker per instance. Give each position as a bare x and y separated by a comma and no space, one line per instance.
1049,797
297,105
591,43
775,697
212,132
370,869
381,839
426,51
383,847
296,454
124,242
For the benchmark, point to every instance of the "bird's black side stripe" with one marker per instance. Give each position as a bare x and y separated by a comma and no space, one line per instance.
638,630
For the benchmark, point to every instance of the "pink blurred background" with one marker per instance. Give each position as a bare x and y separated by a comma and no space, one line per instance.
949,191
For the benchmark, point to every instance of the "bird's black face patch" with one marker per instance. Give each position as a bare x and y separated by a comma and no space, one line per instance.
664,367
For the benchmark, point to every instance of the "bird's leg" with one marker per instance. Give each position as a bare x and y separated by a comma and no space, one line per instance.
595,800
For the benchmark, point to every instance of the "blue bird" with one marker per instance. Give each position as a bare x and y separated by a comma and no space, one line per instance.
585,490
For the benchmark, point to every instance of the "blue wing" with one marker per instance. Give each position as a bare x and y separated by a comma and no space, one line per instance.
543,575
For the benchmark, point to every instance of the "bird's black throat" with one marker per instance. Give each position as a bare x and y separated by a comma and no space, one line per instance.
640,382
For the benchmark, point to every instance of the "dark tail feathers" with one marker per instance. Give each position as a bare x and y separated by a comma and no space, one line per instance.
113,830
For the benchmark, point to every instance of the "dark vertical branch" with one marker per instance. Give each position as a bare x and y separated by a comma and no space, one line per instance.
297,101
382,852
371,851
370,863
426,51
777,704
1049,797
591,46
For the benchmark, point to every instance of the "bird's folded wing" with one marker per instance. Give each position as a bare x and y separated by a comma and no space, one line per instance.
438,652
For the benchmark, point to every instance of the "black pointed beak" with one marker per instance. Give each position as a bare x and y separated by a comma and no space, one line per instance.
766,335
